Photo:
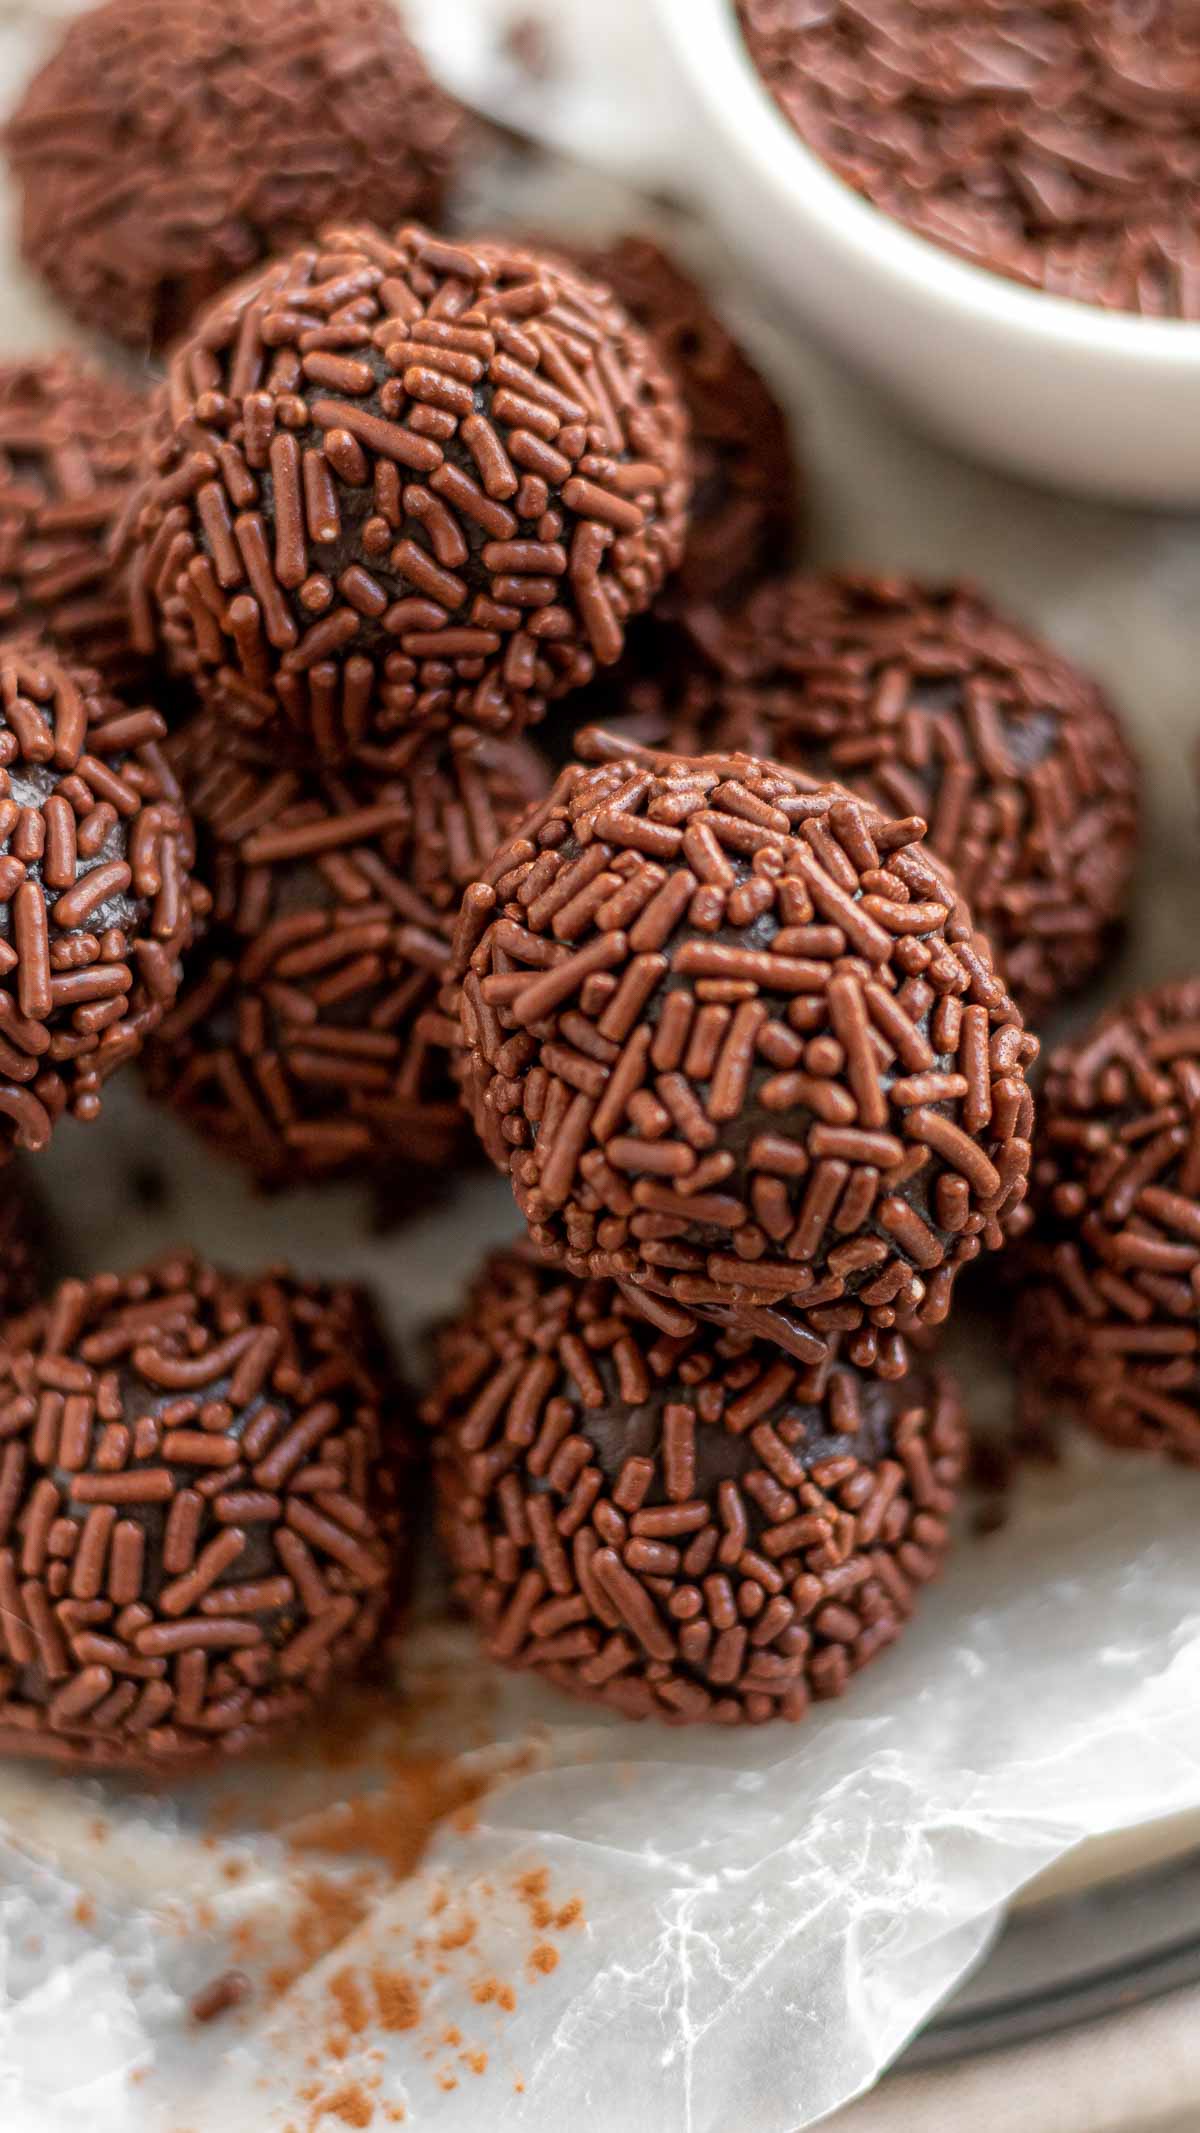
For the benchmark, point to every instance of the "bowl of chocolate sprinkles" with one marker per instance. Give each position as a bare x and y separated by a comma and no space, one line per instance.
989,210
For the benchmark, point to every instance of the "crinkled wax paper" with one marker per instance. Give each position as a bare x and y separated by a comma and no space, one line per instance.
631,1928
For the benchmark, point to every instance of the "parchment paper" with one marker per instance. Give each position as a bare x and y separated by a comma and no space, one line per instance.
630,1928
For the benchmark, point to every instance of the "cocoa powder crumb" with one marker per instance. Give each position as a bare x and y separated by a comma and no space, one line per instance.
543,1958
397,1999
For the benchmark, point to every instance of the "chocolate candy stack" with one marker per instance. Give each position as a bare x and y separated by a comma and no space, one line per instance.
733,1035
400,494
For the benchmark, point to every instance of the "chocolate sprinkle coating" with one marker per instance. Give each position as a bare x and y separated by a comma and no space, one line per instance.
198,1512
1111,1317
688,1527
927,701
162,150
307,1040
400,482
97,903
733,1036
745,503
69,447
1055,143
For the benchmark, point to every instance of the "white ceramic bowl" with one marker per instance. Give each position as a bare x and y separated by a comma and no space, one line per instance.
1061,392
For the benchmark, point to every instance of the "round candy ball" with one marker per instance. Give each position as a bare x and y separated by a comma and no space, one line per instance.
1112,1302
96,901
308,1039
398,482
202,139
198,1512
69,444
733,1037
686,1527
927,700
745,503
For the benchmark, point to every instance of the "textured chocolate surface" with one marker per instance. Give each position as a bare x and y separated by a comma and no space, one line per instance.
24,1241
198,1512
689,1528
308,1039
926,700
162,150
69,439
1112,1307
1057,143
97,903
745,502
732,1035
400,482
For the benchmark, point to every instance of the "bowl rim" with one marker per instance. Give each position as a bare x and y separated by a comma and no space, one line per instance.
707,44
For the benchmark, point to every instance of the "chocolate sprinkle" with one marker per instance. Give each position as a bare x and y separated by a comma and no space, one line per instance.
162,149
307,1039
685,1526
198,1518
69,441
745,505
1057,144
734,1038
96,900
400,482
1111,1314
927,701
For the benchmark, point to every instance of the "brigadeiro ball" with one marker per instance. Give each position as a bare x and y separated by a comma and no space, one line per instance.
733,1037
162,150
401,482
308,1038
198,1511
69,443
745,505
1112,1306
96,900
686,1526
929,702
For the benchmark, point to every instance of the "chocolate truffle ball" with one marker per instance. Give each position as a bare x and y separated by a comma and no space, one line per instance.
400,482
162,150
929,702
198,1525
733,1037
1112,1306
69,440
687,1527
744,506
307,1039
96,900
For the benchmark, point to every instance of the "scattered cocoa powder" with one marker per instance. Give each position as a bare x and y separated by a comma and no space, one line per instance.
543,1958
397,2000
